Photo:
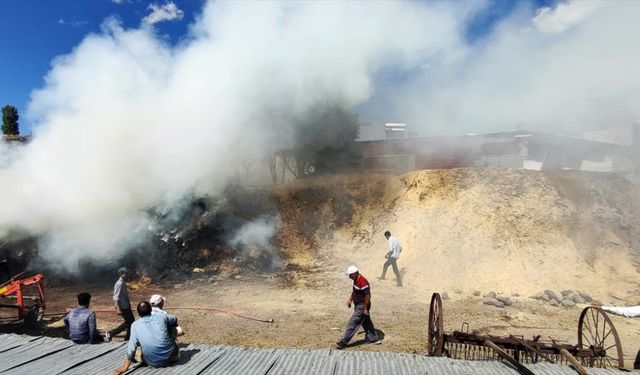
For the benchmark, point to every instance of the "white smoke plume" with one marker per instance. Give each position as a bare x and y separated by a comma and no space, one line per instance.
254,240
257,232
562,69
126,122
8,153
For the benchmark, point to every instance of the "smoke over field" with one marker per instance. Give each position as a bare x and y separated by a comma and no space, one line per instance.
129,126
127,123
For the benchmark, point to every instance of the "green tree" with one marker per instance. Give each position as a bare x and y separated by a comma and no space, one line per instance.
10,120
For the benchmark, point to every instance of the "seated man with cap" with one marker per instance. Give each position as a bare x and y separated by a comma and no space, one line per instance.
157,306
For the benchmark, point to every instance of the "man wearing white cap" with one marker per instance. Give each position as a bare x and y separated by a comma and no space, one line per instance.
361,299
157,306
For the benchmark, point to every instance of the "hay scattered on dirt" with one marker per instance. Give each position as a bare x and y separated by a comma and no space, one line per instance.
512,231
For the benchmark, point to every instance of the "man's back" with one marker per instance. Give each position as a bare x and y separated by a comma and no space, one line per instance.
152,334
81,324
157,310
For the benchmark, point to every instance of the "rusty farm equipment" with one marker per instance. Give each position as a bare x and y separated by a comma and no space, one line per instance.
13,295
598,342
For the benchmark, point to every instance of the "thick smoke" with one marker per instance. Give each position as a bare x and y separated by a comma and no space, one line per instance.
254,240
562,69
8,154
127,123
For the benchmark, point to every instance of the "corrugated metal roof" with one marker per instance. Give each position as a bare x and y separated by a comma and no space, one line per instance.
60,361
297,361
31,351
551,369
99,365
11,341
194,359
431,365
35,355
375,363
239,361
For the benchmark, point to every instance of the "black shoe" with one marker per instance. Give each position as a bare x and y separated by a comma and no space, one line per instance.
340,345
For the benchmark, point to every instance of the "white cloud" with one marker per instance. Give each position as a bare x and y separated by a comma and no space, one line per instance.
565,15
118,1
167,12
75,24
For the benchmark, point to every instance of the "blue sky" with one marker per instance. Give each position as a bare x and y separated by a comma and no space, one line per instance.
39,30
36,31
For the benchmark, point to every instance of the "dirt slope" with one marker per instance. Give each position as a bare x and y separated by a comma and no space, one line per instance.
472,229
462,230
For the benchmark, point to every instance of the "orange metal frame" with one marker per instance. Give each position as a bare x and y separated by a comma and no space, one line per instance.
15,286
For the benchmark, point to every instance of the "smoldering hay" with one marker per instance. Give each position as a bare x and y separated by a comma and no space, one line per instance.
128,122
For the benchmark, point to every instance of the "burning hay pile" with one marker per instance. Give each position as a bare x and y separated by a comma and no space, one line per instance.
464,229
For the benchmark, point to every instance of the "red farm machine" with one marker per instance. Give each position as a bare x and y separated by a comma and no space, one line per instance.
25,294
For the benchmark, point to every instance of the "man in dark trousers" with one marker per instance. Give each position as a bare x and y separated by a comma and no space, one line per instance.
392,255
122,305
81,322
361,299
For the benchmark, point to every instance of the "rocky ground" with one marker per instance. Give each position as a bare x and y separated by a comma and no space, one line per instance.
309,311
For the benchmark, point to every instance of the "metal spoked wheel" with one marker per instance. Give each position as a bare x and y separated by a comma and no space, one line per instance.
435,330
597,333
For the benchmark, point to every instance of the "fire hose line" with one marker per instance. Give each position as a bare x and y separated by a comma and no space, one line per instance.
222,311
204,308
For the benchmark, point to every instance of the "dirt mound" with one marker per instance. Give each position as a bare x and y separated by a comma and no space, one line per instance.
471,229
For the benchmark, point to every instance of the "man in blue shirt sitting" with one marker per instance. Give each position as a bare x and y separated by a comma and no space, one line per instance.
81,322
151,334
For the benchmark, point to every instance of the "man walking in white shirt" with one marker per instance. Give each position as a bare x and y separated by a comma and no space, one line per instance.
392,255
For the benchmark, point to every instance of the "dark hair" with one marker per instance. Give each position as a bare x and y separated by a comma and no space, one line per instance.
84,299
387,234
144,308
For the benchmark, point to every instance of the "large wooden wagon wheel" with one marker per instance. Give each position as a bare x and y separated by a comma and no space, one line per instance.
597,333
435,330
